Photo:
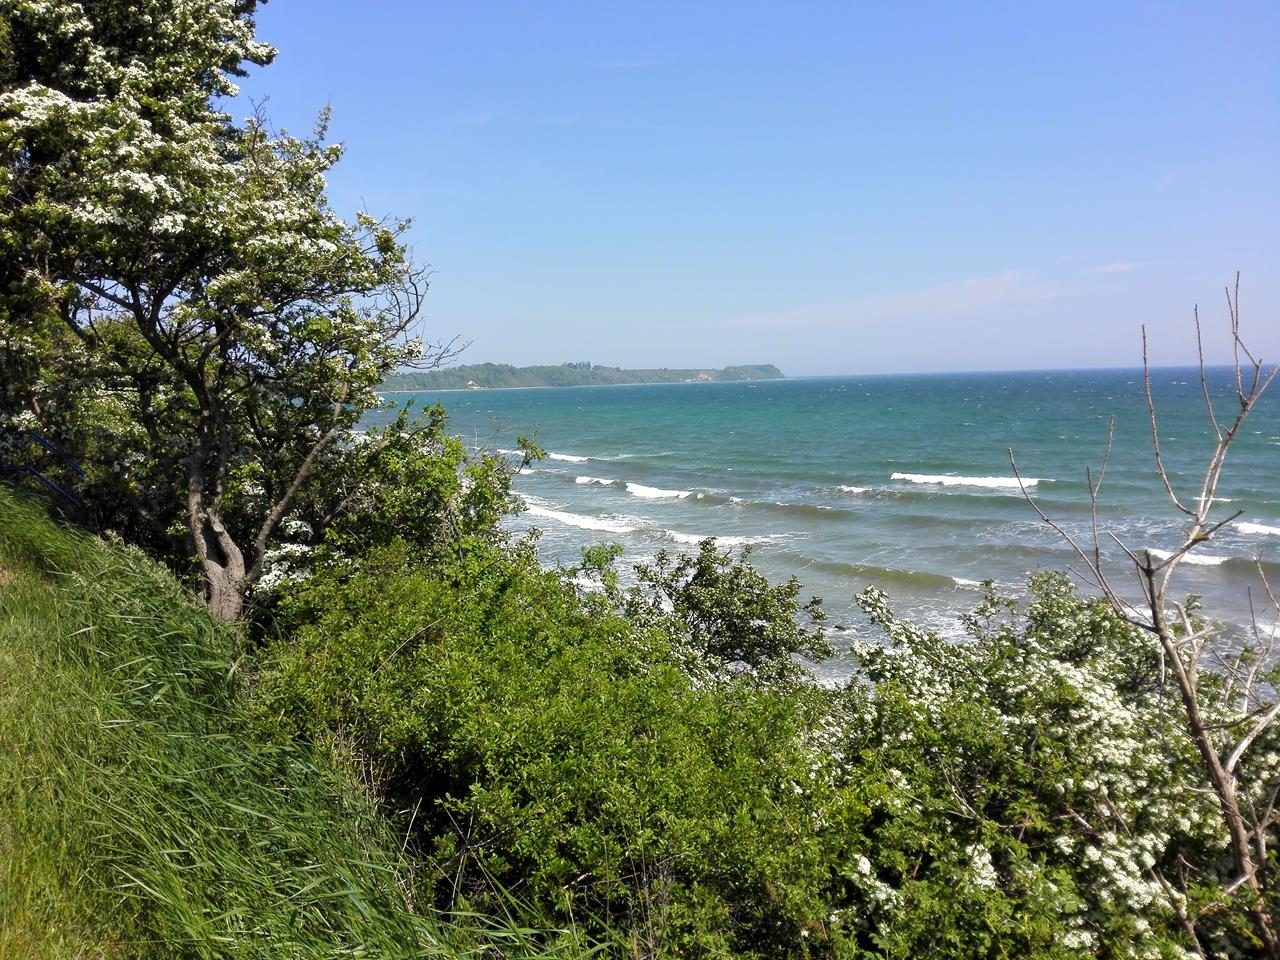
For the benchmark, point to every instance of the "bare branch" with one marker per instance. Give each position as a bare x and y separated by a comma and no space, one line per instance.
1264,721
1204,380
101,291
1094,488
1155,428
1182,643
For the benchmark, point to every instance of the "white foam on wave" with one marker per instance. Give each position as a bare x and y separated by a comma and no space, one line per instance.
601,481
696,538
967,584
567,457
1195,559
847,488
1258,529
947,480
524,470
606,524
656,493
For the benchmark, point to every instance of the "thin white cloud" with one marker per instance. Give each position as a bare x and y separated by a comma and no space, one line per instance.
953,298
1119,266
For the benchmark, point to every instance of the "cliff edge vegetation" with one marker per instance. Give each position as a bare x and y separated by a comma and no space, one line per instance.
144,812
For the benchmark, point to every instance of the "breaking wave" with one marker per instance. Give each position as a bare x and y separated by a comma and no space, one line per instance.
1258,529
692,538
535,507
948,480
656,493
1195,559
605,524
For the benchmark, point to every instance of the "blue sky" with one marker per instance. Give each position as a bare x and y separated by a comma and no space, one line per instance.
832,187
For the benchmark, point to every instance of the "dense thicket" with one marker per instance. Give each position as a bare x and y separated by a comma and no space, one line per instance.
1023,794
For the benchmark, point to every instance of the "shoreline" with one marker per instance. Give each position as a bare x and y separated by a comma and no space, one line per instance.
587,386
923,375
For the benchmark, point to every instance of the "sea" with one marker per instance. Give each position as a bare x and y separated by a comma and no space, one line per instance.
901,482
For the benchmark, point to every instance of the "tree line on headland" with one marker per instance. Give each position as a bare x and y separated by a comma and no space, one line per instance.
309,696
493,375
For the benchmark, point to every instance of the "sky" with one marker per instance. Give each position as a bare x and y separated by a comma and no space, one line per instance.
837,188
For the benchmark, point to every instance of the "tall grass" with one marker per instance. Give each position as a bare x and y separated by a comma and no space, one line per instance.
141,812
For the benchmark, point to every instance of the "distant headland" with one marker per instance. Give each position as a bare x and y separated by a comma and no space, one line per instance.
489,376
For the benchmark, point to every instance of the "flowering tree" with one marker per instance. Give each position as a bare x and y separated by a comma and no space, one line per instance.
1230,707
182,310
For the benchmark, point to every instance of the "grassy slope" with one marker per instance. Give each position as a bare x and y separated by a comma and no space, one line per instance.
141,814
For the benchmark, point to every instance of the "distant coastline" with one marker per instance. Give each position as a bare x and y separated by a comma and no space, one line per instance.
498,376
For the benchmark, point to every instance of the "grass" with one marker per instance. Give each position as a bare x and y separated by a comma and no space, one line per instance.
142,813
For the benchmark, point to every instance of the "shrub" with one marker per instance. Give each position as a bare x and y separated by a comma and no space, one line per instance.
1048,752
540,741
612,760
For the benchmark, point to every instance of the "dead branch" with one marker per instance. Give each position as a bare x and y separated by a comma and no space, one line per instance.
1182,640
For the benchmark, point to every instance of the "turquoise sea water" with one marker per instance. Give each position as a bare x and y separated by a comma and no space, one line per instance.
899,481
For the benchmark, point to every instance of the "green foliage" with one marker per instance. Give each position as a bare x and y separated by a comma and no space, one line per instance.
608,756
1049,751
8,64
728,614
493,375
142,813
541,742
410,482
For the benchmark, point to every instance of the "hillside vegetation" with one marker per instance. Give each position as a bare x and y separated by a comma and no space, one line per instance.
142,812
493,375
653,767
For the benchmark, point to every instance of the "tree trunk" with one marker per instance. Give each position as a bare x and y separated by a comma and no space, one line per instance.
220,557
223,592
